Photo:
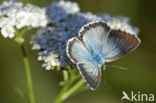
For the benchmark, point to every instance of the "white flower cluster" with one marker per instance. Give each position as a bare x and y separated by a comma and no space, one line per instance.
15,15
66,23
69,7
120,23
50,61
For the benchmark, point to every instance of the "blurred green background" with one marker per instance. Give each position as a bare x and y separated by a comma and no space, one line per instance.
141,63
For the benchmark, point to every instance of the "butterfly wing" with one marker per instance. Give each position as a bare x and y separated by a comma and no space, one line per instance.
122,42
91,73
77,52
94,35
111,43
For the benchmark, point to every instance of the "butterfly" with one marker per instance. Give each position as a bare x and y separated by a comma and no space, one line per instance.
96,45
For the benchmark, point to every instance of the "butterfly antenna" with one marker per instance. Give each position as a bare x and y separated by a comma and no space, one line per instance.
117,67
105,82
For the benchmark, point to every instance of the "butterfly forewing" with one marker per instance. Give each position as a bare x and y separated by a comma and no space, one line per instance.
94,35
77,51
123,44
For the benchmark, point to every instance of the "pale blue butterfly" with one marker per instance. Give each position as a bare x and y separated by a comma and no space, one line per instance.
98,44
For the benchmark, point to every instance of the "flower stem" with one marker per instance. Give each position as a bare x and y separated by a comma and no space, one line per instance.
58,98
28,74
73,89
66,92
65,75
65,78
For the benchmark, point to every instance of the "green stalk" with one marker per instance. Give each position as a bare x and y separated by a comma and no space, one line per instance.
58,98
72,90
65,75
66,92
28,74
67,84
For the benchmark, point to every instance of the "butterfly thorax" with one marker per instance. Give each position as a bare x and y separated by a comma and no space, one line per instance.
97,58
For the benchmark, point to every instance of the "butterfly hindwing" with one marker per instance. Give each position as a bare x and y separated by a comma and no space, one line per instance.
91,73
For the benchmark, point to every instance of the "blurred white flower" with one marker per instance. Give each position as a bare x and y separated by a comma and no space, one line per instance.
8,31
120,23
18,16
69,7
6,21
21,19
50,61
